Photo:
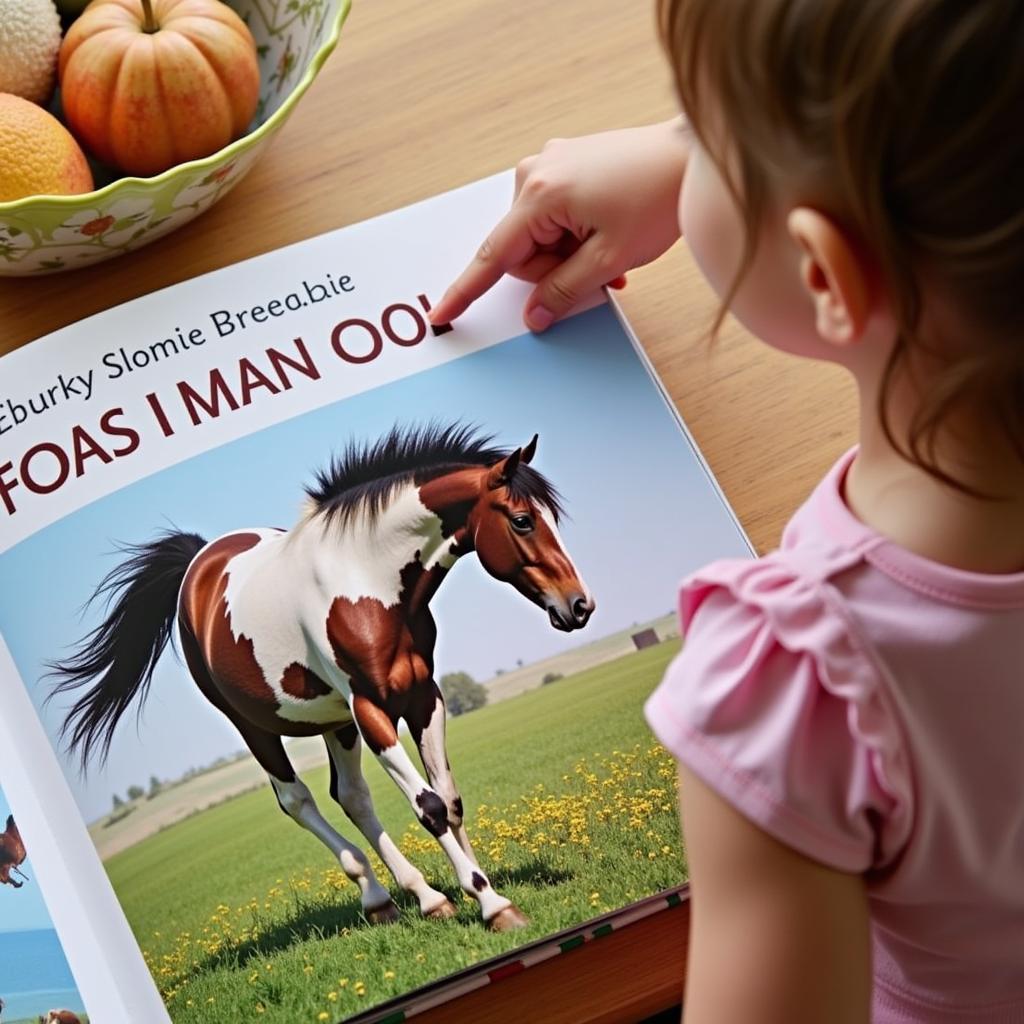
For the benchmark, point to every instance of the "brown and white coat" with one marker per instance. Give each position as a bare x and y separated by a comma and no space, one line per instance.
326,629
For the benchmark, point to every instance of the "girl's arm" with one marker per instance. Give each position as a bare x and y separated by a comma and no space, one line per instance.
585,211
775,938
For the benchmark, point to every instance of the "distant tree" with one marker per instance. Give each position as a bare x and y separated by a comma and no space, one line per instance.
499,671
462,693
118,802
551,677
519,662
136,792
155,786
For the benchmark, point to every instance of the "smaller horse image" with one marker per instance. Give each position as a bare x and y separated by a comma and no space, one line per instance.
326,629
12,856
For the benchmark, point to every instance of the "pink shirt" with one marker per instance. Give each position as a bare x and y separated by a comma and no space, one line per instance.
866,707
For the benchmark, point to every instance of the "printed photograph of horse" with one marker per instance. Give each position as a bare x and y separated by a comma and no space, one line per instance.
12,855
326,629
34,971
481,611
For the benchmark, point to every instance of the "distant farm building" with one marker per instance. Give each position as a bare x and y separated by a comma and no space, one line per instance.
645,638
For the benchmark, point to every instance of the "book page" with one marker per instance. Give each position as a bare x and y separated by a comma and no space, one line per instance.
403,594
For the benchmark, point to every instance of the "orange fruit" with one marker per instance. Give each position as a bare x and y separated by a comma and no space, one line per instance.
38,155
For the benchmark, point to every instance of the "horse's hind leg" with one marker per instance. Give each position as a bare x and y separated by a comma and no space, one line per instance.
295,799
297,802
292,794
349,789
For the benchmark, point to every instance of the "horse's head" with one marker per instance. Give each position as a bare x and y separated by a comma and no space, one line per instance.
515,534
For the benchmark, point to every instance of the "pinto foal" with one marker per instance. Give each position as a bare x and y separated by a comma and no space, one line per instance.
326,629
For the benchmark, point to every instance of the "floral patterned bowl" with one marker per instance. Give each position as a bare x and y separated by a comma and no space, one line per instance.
45,234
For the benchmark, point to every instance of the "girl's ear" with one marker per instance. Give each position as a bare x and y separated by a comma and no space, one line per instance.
834,275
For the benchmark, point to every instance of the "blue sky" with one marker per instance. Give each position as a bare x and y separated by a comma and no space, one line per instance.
21,909
642,514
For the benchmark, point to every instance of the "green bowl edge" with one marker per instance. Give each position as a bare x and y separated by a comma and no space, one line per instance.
232,149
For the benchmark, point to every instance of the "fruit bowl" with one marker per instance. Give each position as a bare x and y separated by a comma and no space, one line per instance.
46,234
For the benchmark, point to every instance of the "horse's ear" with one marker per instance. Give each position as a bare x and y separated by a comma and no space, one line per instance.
501,472
529,451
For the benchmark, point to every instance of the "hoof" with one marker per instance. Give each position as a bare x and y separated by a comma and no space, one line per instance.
387,913
442,912
508,920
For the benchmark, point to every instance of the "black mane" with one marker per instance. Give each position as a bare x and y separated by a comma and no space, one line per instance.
366,475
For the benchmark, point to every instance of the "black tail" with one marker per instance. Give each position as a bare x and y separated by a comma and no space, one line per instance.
118,657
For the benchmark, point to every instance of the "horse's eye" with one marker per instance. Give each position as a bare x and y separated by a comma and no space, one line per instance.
522,523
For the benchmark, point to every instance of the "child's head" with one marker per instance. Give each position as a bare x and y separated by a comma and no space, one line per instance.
898,122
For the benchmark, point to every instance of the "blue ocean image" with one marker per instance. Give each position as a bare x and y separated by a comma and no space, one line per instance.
34,975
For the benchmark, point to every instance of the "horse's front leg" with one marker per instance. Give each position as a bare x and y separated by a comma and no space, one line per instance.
380,734
350,790
426,720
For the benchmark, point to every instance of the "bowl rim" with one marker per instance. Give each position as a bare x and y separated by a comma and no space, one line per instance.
235,148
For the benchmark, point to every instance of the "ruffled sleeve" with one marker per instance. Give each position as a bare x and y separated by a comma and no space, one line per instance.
775,704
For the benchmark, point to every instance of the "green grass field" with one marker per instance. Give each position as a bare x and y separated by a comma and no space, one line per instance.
571,809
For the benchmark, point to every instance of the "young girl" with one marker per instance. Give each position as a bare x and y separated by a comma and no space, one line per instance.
847,711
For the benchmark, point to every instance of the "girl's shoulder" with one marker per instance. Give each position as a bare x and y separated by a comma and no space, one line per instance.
817,685
862,705
775,703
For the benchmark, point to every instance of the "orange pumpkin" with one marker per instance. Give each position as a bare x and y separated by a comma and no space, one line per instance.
147,85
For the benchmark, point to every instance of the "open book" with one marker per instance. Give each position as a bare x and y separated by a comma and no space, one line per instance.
353,719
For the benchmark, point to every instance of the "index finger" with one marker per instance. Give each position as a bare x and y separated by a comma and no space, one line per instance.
508,245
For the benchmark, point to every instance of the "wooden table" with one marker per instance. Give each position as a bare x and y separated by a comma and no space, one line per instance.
422,97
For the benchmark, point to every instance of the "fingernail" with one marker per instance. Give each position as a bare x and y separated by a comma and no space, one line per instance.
539,318
432,310
618,283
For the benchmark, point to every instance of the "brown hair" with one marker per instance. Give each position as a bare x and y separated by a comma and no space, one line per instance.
907,113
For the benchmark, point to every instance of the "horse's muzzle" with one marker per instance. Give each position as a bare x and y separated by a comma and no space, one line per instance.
571,613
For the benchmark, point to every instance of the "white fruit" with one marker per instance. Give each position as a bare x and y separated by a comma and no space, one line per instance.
29,43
